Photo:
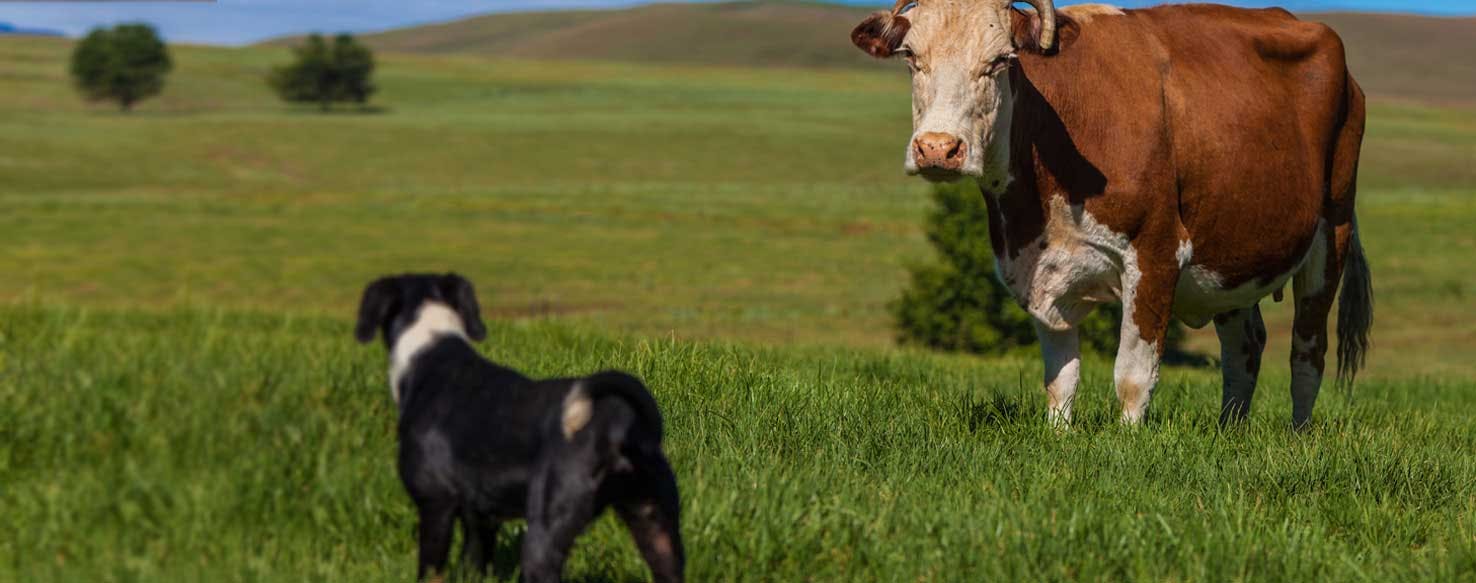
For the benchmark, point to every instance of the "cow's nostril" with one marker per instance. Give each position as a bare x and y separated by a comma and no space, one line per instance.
939,150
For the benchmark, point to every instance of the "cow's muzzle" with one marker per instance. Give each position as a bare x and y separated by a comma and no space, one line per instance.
939,151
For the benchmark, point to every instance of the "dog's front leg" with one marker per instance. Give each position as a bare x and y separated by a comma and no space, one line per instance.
480,544
560,505
436,521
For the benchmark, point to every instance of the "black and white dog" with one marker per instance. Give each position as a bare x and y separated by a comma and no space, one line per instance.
481,443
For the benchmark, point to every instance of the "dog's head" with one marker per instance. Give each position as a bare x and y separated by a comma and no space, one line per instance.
392,304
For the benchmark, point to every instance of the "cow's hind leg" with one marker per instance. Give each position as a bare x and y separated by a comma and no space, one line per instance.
1061,351
1242,339
1314,287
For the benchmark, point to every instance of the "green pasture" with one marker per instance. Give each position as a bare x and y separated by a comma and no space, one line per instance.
180,397
204,445
752,204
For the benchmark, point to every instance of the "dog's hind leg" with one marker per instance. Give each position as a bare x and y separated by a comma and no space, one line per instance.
654,520
436,522
561,504
479,543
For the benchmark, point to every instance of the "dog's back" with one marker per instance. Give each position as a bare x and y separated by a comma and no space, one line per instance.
475,430
481,443
603,448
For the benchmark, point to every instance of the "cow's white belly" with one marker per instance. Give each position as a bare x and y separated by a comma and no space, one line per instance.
1075,264
1201,293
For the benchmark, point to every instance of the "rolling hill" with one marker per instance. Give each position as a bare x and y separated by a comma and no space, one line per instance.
731,33
1394,56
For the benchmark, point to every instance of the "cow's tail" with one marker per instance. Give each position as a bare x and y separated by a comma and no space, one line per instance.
1355,311
619,410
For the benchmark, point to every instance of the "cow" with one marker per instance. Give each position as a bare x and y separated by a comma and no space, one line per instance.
1185,160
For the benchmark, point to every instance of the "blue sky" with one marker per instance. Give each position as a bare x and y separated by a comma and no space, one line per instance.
244,21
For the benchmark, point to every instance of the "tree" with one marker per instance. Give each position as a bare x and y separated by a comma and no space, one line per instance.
957,304
126,64
326,74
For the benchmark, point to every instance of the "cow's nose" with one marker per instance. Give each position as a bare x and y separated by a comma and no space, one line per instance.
940,150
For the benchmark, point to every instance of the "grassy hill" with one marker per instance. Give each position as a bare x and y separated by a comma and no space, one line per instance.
1410,57
1396,56
181,398
796,34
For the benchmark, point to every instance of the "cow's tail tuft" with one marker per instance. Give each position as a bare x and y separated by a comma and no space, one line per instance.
1355,312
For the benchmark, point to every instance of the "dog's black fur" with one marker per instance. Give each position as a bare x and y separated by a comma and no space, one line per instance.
482,443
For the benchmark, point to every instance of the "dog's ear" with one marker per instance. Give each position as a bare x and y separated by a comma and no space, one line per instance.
464,298
374,308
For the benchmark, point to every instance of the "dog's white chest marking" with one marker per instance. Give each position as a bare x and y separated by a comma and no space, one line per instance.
1074,264
434,320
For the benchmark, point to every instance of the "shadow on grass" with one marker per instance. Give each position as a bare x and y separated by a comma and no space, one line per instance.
360,110
505,561
289,109
1179,357
994,411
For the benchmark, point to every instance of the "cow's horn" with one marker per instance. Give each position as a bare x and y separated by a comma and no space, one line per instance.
1047,12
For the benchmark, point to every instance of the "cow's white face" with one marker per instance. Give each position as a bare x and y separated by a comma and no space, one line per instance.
959,56
959,53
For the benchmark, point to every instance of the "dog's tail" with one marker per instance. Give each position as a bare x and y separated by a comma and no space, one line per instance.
618,405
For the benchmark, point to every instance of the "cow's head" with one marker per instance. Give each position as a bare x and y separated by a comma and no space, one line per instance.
959,53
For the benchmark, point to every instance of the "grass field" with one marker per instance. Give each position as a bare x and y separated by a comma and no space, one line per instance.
220,446
180,398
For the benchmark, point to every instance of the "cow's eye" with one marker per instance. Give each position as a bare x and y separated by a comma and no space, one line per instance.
911,59
999,64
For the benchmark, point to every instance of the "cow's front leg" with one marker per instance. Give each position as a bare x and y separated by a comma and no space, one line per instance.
1061,351
1147,304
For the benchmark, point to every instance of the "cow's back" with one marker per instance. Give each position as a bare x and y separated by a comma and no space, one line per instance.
1255,101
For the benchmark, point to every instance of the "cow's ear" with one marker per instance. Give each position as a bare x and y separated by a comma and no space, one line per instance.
375,308
880,34
1026,34
464,298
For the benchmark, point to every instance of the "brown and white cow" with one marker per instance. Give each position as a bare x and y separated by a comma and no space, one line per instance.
1186,160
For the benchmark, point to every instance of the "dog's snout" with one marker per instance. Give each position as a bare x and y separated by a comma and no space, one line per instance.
939,150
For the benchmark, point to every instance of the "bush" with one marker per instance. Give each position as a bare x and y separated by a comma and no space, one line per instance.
325,75
957,304
125,64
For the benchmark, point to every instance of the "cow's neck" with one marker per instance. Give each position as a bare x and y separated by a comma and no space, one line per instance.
1016,217
996,172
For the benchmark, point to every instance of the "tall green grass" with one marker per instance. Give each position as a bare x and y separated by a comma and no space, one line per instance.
232,446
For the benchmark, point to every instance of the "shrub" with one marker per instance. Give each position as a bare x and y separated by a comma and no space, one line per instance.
326,74
955,303
126,64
